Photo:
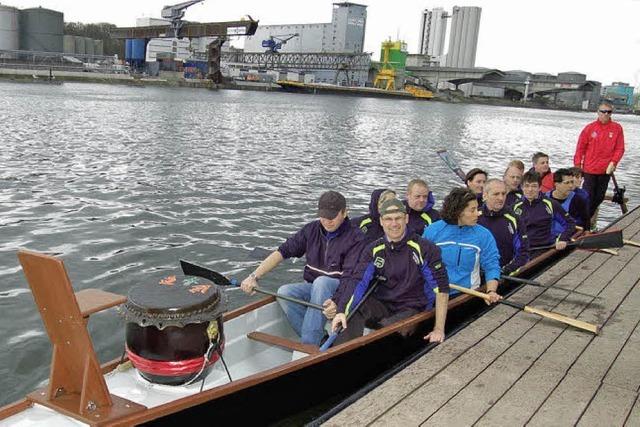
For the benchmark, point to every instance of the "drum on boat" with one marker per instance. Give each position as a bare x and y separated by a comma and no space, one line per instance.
174,330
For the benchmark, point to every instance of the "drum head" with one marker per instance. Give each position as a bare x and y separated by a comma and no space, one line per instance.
174,301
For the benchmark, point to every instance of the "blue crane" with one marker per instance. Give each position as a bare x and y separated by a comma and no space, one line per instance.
274,43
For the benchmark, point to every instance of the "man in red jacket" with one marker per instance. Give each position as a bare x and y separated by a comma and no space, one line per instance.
599,150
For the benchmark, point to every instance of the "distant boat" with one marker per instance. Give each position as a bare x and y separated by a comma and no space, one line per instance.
410,92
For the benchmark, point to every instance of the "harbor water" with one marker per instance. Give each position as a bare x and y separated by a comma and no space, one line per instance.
122,182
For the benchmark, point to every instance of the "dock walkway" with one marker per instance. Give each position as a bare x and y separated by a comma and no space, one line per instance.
513,368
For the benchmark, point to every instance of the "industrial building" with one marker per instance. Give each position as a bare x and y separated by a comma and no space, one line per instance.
344,34
463,37
42,30
321,52
620,95
433,31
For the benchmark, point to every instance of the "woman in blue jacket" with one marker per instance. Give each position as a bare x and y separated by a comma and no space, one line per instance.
466,246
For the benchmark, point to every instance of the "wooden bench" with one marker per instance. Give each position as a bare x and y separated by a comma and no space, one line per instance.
283,342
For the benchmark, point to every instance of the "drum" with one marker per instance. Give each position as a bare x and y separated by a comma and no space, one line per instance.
174,330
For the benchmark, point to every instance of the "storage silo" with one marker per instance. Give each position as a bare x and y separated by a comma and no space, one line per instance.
41,30
79,45
9,28
98,47
88,46
69,44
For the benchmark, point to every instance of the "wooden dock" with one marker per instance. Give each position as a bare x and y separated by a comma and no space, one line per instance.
513,368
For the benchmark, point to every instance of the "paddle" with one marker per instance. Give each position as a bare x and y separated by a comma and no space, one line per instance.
610,239
191,269
329,342
546,314
631,243
449,161
541,285
618,195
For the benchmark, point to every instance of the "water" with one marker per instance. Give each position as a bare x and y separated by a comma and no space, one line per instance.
122,182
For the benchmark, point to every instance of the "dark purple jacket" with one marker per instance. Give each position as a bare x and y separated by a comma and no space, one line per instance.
510,233
326,256
418,220
513,196
577,207
369,224
538,216
413,268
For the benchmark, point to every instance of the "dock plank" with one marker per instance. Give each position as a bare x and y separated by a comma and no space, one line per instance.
518,359
609,407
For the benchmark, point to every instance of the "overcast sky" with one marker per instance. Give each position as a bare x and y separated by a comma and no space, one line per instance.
600,38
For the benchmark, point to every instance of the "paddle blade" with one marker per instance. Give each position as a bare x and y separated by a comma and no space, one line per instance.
191,269
611,239
451,163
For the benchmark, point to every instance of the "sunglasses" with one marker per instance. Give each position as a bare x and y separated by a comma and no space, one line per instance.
606,111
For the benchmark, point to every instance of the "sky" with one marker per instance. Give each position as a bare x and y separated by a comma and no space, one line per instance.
596,37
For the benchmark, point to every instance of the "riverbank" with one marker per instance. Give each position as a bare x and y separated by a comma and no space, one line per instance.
175,79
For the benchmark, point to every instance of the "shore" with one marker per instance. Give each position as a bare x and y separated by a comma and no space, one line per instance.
174,79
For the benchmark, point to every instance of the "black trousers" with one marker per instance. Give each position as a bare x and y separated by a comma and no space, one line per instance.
373,314
596,186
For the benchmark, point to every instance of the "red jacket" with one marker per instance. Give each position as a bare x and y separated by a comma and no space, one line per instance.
547,182
599,145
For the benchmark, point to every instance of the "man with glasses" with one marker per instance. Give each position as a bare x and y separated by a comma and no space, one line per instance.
538,213
576,206
599,150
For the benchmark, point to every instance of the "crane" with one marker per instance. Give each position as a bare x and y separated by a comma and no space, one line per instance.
175,13
274,43
178,28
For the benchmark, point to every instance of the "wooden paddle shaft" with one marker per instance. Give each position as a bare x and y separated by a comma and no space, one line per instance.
291,299
548,314
631,243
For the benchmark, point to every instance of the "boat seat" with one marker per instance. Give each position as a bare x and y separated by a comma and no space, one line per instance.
283,342
92,301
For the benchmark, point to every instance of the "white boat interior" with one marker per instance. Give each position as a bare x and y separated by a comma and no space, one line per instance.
243,355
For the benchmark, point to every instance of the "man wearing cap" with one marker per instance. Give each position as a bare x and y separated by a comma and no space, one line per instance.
416,278
330,245
419,205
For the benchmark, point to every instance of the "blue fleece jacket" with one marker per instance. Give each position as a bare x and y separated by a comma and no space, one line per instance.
465,251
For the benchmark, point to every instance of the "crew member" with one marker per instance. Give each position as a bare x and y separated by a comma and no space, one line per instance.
599,150
369,224
563,194
538,213
513,179
540,162
415,277
419,205
577,186
475,180
331,246
507,228
466,246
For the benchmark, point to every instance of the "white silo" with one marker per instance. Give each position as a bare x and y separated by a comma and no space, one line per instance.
9,28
